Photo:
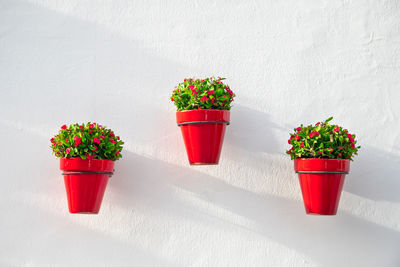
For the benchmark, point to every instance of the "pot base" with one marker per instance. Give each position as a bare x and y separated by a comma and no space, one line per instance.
202,163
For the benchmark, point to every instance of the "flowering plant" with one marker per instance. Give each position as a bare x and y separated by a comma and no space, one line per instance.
208,93
87,141
322,140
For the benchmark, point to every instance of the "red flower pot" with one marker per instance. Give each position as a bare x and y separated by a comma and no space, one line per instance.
203,133
85,181
321,182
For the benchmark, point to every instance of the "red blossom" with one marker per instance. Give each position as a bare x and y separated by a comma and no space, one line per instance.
68,150
318,123
302,144
64,127
96,140
298,129
91,126
52,140
204,98
77,140
297,137
89,156
211,92
353,145
91,131
112,141
111,134
116,153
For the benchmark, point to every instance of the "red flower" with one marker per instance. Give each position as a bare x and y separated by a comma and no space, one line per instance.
77,140
297,137
351,140
318,123
111,134
66,140
116,153
64,127
211,93
319,152
112,141
172,99
91,131
340,147
96,140
95,148
81,127
312,134
298,129
52,140
89,156
340,154
336,129
191,87
289,151
229,91
91,126
102,137
302,144
349,136
353,146
204,98
68,150
117,137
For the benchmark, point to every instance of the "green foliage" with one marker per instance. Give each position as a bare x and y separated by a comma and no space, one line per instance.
208,93
87,141
322,140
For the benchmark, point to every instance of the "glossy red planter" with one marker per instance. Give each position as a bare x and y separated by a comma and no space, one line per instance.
85,183
203,133
321,182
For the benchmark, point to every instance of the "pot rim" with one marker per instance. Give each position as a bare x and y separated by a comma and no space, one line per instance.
209,109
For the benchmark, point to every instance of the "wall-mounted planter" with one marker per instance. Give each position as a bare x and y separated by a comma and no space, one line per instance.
321,182
203,133
85,182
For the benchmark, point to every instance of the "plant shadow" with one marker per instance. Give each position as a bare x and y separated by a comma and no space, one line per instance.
374,174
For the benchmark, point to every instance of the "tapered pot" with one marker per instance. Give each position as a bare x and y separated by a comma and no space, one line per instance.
203,132
85,182
321,182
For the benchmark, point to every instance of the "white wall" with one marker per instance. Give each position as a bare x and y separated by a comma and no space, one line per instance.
116,62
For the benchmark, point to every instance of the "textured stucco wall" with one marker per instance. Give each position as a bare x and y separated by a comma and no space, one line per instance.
116,62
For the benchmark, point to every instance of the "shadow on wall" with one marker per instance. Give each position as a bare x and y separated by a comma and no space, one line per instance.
253,131
326,240
375,174
98,73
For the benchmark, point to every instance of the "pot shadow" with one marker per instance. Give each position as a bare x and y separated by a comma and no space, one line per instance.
253,131
374,174
156,184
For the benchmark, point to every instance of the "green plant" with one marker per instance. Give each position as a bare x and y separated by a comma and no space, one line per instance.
208,93
322,140
87,141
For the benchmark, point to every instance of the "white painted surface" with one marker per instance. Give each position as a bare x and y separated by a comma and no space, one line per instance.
116,62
